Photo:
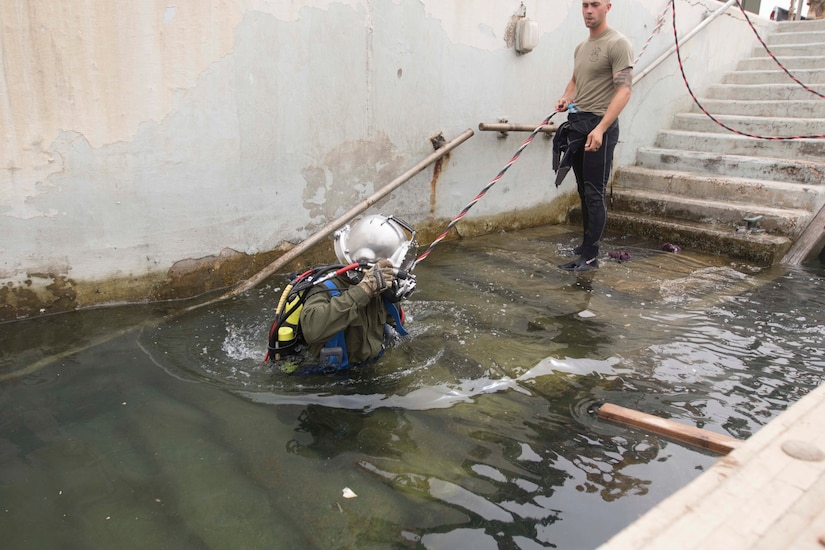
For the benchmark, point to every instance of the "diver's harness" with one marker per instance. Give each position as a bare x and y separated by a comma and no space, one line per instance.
286,341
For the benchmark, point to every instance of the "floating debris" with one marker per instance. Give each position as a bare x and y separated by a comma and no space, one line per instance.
348,493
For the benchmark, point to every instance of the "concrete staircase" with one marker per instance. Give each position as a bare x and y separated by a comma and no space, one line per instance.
703,187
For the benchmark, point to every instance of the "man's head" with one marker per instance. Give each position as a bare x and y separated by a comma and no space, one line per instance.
595,15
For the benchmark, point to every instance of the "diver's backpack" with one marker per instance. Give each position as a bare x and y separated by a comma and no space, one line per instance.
285,337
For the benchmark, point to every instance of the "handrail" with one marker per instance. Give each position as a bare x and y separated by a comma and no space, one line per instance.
327,230
682,41
798,15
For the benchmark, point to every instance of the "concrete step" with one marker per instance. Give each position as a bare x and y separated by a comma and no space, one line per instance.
806,76
799,172
788,50
781,181
800,26
775,221
760,92
804,149
731,187
796,63
751,124
806,36
810,108
759,248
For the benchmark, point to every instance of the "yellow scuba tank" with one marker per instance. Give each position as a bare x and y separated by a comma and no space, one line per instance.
288,329
287,315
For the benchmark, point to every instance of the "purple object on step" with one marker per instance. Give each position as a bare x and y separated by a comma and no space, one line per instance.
619,255
668,247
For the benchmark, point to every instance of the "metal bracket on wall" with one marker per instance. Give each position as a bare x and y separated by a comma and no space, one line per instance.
753,225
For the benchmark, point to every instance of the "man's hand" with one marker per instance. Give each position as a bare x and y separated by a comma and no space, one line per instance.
594,140
378,278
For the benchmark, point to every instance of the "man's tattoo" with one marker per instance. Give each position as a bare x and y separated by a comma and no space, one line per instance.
624,78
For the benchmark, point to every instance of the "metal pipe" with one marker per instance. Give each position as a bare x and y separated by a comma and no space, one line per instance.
328,229
682,41
506,127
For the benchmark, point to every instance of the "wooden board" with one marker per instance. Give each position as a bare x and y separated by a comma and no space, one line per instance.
814,234
674,430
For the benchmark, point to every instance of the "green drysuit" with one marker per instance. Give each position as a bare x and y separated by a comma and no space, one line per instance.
360,317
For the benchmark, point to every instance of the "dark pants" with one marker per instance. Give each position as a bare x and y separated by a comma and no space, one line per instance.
592,170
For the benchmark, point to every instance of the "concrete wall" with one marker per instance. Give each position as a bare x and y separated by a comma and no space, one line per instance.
155,149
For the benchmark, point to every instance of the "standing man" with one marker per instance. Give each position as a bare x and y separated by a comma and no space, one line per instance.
597,92
816,9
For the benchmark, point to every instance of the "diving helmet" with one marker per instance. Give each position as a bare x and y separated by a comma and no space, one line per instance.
376,237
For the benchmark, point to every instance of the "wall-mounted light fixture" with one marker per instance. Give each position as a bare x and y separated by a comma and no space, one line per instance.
527,35
522,33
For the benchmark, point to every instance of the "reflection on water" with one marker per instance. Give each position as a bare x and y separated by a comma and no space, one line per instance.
126,428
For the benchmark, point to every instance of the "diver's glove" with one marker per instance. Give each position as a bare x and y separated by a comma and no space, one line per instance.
378,278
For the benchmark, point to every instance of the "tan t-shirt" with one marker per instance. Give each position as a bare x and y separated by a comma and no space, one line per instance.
595,61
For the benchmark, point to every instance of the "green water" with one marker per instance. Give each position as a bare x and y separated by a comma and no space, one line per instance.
135,427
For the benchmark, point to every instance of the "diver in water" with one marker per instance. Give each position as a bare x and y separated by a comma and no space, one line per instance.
348,313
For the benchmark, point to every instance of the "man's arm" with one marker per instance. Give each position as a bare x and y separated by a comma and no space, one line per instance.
568,95
323,315
623,81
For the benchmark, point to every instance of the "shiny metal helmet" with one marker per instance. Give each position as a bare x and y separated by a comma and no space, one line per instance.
375,237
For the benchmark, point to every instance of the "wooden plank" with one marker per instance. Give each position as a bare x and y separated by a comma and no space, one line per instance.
813,234
687,434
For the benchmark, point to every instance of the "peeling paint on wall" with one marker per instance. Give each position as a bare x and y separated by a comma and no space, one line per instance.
348,174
